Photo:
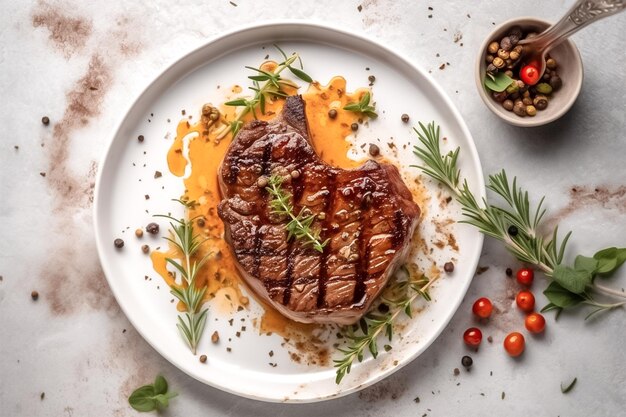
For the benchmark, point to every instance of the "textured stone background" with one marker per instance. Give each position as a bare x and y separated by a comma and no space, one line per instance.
81,62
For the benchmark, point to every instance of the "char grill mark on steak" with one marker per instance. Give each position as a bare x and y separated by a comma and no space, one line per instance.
369,211
328,209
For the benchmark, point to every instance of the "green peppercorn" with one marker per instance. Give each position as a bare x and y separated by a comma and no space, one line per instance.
498,62
493,47
513,88
508,105
544,88
503,54
551,63
555,82
514,55
531,110
540,102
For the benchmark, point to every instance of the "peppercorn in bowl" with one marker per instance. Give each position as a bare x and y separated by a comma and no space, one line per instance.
504,80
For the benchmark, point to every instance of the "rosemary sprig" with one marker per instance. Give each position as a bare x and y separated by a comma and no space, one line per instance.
190,324
372,325
272,87
363,106
299,226
517,224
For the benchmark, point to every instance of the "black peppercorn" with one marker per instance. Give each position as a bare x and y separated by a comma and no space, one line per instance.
34,295
152,228
405,118
200,222
512,230
374,150
509,272
140,138
448,267
467,361
45,120
354,127
119,243
332,113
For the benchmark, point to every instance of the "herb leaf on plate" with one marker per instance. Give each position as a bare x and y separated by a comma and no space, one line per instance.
363,106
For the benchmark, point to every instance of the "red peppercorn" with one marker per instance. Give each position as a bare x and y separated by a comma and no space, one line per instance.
529,74
482,307
473,336
525,276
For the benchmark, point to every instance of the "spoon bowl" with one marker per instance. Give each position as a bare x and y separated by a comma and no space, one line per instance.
570,68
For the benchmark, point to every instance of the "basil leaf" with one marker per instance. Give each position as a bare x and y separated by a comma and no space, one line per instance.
584,263
560,297
160,385
142,399
498,82
609,260
571,279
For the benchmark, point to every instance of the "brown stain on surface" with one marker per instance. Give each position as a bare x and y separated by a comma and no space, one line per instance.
72,276
584,196
68,34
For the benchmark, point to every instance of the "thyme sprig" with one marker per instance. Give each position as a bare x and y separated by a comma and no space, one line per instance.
190,324
363,106
272,87
372,325
516,224
300,225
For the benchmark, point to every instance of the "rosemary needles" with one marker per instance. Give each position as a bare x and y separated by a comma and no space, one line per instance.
192,322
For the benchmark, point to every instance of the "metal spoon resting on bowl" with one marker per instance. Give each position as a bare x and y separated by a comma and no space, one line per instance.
583,13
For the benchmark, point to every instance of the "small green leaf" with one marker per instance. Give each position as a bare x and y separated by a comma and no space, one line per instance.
609,260
572,279
498,82
238,102
352,107
365,100
584,263
301,74
569,387
561,297
142,399
160,385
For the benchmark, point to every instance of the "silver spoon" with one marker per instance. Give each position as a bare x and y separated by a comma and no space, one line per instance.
583,13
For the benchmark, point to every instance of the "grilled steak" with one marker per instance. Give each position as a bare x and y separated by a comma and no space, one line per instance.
367,214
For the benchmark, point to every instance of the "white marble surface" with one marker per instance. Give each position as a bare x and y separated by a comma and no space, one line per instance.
76,345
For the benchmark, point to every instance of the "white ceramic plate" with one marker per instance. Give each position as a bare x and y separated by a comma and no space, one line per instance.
127,174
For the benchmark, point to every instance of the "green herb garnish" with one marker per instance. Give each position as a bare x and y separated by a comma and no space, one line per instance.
191,324
569,387
363,106
570,286
498,82
151,397
401,297
272,87
299,226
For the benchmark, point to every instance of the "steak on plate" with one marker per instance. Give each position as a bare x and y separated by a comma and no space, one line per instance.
367,214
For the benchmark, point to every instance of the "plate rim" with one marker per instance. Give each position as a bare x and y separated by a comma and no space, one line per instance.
277,24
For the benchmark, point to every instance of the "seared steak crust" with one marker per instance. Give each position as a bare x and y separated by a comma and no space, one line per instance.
367,214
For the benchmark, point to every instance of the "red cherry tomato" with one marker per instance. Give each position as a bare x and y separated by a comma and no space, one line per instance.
525,301
482,308
535,323
529,74
514,344
525,276
473,336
